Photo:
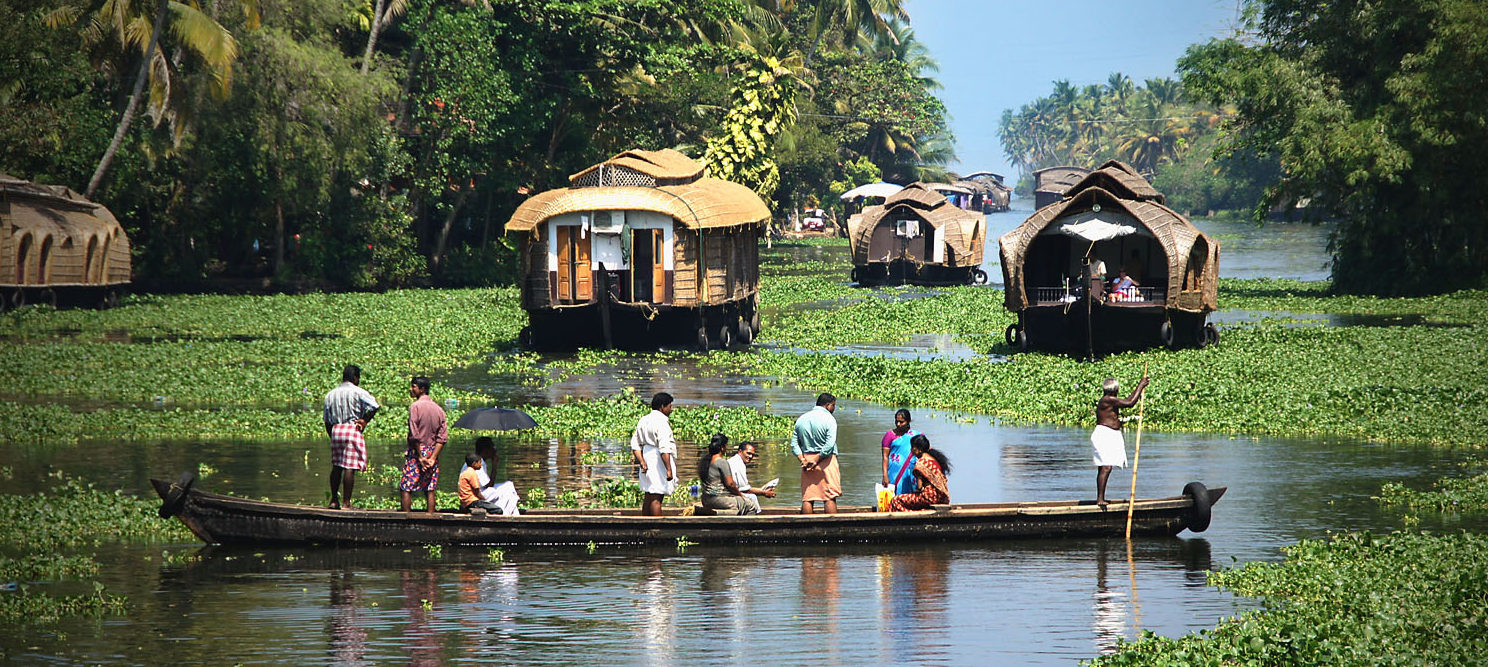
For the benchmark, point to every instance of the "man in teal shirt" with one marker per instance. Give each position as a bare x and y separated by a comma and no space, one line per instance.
814,442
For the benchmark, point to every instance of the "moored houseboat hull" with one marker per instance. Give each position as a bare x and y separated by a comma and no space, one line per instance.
1108,328
219,519
901,272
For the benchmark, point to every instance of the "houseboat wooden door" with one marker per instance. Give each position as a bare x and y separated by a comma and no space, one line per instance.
648,265
575,280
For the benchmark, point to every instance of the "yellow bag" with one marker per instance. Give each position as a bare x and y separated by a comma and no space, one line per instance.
884,494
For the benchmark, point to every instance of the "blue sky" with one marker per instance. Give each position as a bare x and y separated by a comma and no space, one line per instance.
998,54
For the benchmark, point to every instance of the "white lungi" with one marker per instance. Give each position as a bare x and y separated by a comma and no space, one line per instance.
505,497
654,480
1109,447
652,438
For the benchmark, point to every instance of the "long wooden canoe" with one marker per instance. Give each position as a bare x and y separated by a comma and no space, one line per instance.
219,519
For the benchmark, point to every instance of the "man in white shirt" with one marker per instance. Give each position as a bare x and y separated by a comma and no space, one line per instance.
747,454
655,450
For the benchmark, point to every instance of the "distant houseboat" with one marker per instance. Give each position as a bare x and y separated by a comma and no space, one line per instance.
641,250
57,247
917,237
1057,264
990,194
1051,183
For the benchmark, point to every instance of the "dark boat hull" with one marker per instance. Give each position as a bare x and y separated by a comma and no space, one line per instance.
219,519
902,272
1109,328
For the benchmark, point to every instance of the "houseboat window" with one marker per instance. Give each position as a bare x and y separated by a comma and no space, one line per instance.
907,228
21,258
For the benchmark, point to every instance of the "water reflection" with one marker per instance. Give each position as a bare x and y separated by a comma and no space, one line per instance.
344,627
659,619
913,589
420,638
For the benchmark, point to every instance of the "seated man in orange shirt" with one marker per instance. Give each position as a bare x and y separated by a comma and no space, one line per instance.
470,486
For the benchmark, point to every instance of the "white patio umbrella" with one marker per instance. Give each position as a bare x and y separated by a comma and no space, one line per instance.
879,189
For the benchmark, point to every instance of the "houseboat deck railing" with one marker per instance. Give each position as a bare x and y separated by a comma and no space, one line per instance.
1130,295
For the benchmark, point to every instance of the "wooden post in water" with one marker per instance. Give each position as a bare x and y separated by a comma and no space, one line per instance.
1136,459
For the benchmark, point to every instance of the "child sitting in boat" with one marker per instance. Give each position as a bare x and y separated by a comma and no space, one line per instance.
504,494
930,470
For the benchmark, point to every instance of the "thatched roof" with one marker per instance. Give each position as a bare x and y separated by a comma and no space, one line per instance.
1058,179
675,188
1173,232
1122,180
665,167
963,229
61,226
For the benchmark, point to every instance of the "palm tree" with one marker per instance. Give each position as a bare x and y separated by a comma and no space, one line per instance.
1153,140
141,25
900,44
383,13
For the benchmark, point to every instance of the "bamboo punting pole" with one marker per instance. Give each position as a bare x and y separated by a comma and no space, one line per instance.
1136,458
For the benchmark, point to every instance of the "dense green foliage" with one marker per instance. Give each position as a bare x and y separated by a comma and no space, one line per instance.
1355,599
1152,126
1374,110
297,145
1453,494
78,517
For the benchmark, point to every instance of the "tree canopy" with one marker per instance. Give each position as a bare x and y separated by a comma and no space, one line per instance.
375,143
1376,112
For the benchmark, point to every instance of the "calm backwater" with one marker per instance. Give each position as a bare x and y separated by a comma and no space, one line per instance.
1024,602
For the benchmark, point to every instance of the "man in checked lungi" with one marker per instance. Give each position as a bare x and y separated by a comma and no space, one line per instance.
427,434
348,408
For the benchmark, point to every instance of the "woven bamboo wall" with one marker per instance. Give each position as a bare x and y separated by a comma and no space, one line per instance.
685,268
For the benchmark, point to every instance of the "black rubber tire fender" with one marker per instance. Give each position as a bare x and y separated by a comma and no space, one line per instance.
725,337
1201,337
1022,342
1211,334
745,334
702,338
1011,334
176,499
1165,334
978,277
1199,515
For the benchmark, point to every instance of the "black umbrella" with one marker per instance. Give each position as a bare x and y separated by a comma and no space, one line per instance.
495,419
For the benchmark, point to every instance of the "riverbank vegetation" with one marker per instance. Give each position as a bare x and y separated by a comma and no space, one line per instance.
51,540
256,366
1354,599
322,144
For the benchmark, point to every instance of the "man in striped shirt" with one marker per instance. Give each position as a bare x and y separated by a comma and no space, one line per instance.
348,408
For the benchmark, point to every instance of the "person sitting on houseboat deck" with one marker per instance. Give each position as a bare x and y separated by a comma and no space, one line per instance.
1124,288
469,487
930,470
720,493
503,494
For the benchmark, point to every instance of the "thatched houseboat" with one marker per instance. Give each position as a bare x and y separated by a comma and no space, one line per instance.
57,247
1057,264
917,237
1051,183
641,250
990,193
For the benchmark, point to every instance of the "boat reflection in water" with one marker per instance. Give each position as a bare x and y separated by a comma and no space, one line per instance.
1117,612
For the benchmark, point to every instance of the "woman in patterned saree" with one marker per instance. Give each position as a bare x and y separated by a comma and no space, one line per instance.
930,470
